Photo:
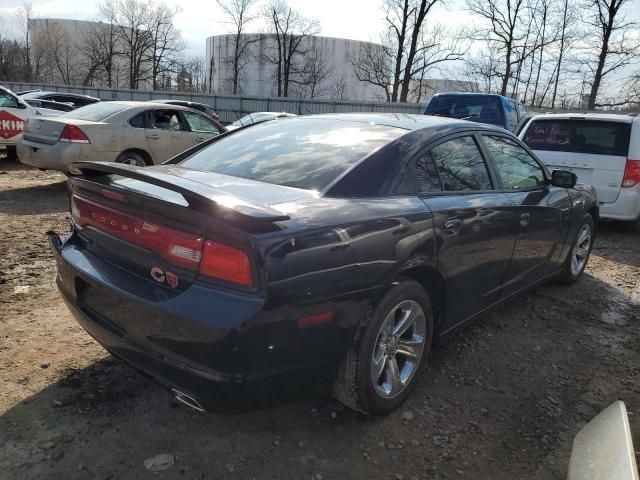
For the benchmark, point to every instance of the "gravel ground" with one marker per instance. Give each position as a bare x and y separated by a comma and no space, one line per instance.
502,399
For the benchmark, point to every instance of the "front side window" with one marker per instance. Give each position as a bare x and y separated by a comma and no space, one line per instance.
200,124
459,165
517,168
166,120
7,100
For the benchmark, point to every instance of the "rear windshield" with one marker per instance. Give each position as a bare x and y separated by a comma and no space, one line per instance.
583,136
96,112
479,108
306,153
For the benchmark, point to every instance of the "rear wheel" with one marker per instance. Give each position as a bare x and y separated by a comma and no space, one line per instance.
389,351
576,262
132,158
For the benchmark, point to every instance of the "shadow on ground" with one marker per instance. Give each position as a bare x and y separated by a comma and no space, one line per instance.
502,399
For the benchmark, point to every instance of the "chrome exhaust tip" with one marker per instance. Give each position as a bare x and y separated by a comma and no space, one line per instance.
188,400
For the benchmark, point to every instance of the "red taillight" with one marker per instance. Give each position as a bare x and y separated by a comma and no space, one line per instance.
73,134
226,263
179,248
212,259
631,174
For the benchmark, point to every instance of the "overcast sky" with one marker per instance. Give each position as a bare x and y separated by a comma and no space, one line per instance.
353,19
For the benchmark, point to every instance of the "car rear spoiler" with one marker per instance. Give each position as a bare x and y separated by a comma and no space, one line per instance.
195,193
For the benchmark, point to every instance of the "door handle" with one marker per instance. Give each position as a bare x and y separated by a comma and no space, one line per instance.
525,218
153,136
453,225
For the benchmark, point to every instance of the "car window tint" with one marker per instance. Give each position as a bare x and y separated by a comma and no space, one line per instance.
307,153
479,108
516,167
460,165
200,124
139,121
582,136
166,120
96,112
427,175
7,100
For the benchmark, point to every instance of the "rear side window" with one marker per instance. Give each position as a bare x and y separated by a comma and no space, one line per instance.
306,153
453,166
139,121
96,112
583,136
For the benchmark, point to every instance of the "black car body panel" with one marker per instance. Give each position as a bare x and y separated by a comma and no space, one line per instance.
333,251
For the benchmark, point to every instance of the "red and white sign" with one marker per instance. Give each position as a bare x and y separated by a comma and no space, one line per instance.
10,125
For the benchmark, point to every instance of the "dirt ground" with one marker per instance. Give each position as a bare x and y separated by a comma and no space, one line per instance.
501,400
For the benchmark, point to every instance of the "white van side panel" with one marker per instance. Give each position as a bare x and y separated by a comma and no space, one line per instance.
604,172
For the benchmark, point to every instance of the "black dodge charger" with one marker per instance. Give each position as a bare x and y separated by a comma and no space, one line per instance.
340,244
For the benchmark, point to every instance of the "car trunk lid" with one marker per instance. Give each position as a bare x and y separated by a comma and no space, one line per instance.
174,225
48,130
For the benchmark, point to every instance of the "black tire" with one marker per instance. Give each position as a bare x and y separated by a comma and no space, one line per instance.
633,226
132,158
569,274
354,385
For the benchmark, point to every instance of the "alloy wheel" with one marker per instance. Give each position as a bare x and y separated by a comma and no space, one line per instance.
580,251
399,347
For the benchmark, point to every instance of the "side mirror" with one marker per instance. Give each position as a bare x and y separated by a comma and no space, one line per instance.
563,178
22,106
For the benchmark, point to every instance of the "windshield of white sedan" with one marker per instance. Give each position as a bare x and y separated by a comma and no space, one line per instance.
307,154
95,112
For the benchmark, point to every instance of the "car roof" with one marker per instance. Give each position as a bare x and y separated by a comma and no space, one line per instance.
173,101
408,121
607,117
473,94
40,93
138,104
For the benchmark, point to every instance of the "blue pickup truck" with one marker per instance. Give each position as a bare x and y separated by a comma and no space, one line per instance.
494,109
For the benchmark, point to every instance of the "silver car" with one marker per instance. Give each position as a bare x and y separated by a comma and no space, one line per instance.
137,133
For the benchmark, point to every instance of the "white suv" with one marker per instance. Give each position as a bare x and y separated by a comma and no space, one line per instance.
603,150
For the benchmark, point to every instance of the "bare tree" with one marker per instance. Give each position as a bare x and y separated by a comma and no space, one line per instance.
290,28
59,52
24,15
371,65
100,50
614,45
165,40
240,12
338,91
131,19
567,16
505,19
315,73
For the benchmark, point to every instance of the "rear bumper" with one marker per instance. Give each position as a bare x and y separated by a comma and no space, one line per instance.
59,155
626,207
216,347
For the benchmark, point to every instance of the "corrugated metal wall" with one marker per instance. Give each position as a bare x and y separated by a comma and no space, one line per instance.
232,107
